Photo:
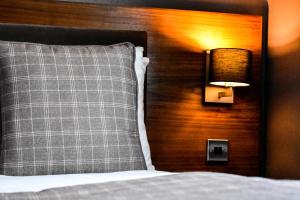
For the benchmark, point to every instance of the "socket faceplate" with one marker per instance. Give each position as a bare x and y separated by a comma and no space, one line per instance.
217,150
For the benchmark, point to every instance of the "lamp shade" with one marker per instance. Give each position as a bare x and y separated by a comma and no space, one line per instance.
230,67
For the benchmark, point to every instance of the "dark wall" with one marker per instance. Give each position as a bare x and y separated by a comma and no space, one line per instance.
284,90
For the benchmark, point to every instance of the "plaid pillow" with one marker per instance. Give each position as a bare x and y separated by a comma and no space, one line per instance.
68,109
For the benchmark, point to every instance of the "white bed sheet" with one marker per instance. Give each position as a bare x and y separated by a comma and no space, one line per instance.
9,184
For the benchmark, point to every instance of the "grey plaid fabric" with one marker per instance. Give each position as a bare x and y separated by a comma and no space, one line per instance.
189,186
68,109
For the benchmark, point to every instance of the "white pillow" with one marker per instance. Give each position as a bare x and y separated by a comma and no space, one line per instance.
140,70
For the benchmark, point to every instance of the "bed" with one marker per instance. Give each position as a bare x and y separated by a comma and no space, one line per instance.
46,158
149,185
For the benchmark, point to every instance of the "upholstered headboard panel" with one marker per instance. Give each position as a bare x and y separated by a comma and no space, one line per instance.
70,36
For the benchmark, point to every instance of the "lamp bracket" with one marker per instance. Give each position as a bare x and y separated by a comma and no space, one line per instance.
216,94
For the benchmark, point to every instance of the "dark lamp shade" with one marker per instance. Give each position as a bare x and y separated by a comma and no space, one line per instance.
230,67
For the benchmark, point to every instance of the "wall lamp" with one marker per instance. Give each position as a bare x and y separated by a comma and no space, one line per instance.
226,68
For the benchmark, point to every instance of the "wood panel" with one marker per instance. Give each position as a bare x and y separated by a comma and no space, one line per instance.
178,124
232,6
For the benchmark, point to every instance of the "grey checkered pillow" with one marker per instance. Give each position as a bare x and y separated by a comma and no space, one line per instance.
68,109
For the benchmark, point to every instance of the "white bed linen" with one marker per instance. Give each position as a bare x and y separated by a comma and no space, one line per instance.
9,184
140,66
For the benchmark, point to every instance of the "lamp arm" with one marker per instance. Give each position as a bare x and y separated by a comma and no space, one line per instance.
227,93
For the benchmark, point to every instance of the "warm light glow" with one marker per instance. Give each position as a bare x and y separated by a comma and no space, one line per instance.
284,26
229,84
199,30
207,39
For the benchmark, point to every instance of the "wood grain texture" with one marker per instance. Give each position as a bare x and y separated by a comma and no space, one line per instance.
178,124
232,6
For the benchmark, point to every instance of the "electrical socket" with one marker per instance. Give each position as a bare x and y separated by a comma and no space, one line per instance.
217,150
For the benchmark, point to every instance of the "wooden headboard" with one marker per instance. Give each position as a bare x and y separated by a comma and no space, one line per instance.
178,124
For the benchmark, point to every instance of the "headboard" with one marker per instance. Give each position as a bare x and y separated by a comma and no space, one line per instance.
70,36
178,124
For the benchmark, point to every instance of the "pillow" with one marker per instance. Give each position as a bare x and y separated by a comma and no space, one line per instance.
140,70
68,109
